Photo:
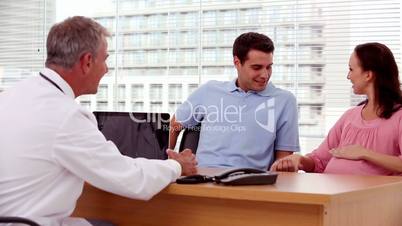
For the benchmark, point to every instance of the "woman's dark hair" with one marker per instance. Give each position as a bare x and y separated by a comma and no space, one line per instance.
378,58
251,40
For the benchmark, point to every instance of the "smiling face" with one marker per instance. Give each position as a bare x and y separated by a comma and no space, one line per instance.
359,78
255,72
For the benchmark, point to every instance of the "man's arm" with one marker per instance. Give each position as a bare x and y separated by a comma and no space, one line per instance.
174,131
287,134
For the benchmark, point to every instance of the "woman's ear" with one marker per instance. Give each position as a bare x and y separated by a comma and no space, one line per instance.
369,76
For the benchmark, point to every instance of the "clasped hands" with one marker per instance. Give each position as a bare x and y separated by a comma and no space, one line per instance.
187,160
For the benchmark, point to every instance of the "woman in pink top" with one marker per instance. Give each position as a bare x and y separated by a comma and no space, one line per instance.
367,139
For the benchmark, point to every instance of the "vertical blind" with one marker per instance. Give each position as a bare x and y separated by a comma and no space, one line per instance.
23,26
162,50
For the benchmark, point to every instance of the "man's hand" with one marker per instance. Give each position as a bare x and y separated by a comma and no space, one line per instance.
186,159
291,163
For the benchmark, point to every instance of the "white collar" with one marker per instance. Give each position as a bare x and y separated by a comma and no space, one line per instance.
56,78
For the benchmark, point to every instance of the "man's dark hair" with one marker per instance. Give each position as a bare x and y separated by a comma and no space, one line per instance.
251,40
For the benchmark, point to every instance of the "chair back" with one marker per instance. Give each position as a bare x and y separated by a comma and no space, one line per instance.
190,138
19,220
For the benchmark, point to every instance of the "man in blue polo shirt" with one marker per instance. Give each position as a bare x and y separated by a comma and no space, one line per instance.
247,122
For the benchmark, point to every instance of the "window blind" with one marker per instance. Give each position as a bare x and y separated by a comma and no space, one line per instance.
23,24
162,50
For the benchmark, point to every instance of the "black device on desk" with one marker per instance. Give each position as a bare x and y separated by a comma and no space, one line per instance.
239,176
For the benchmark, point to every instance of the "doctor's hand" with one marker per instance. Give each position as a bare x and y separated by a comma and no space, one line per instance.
186,159
291,163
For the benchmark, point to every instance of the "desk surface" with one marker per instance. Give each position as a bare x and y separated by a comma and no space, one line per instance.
303,199
295,187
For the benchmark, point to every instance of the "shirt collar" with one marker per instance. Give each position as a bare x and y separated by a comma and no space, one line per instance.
56,78
231,87
268,91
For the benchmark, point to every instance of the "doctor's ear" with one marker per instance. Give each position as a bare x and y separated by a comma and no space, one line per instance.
86,62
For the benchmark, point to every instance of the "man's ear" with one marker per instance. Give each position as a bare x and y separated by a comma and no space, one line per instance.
236,62
86,62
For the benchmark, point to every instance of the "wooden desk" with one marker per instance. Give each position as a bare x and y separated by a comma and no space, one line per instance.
296,199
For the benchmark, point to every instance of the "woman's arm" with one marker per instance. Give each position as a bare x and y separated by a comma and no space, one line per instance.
293,163
357,152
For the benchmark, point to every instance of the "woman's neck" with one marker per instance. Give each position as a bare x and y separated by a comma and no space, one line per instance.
370,110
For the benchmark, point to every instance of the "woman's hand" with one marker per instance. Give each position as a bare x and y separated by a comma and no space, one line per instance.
351,152
291,163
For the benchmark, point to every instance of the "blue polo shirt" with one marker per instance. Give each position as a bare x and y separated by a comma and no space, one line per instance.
240,129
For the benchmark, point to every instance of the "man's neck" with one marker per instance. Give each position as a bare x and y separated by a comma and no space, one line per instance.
68,76
240,87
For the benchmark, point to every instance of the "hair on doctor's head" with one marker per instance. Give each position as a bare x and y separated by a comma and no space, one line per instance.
68,40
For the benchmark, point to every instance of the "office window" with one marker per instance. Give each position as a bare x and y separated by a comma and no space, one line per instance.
191,71
176,71
209,18
228,36
137,106
189,38
153,57
189,57
230,70
138,4
158,39
189,19
176,20
156,106
137,92
227,17
174,38
175,92
225,55
107,22
209,56
212,71
86,104
158,42
135,22
101,105
156,71
209,38
192,88
153,21
121,92
102,93
156,93
125,4
173,105
250,16
121,106
162,21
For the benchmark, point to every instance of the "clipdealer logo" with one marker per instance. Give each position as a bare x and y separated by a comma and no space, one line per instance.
269,107
231,116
